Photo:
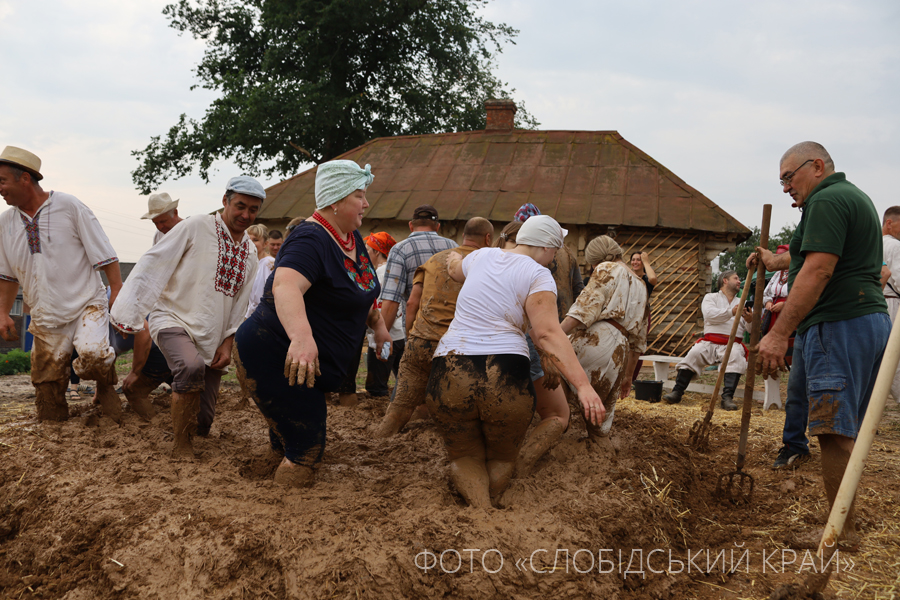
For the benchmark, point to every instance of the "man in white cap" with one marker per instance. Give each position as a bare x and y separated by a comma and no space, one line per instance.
195,285
53,245
163,211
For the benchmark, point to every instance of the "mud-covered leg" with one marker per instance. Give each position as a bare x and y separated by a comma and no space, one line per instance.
539,441
506,412
412,381
50,358
138,396
110,403
50,400
554,412
184,418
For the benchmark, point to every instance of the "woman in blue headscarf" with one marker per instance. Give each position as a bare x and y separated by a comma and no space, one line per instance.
314,310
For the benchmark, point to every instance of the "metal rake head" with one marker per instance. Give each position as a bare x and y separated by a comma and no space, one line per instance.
698,438
736,486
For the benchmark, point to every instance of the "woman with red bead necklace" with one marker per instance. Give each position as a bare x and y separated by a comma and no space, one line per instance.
296,346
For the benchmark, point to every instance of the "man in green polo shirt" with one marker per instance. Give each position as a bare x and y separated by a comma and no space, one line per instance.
835,304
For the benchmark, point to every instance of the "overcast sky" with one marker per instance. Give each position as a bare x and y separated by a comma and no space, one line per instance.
714,90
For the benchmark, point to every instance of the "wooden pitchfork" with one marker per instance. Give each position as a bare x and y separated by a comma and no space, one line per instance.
737,485
698,438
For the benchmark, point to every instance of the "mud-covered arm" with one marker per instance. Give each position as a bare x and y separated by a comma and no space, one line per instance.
547,335
455,267
8,292
142,345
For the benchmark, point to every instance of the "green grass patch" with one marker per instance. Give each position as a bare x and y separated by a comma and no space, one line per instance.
14,362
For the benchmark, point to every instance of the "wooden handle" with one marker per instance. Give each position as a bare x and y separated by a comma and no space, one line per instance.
750,377
864,439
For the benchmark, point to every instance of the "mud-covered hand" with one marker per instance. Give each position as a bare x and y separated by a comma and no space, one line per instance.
8,329
772,349
625,388
129,381
222,357
594,411
301,365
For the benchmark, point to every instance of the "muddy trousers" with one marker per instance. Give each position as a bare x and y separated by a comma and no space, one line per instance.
482,406
296,414
190,373
50,355
378,373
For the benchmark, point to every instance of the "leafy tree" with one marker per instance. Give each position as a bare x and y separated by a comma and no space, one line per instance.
737,259
306,80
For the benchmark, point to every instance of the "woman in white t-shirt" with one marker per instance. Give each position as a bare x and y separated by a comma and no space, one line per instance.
480,392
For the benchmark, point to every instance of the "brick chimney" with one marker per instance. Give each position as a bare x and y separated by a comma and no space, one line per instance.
500,114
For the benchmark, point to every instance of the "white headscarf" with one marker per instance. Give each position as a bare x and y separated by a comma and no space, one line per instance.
337,179
541,231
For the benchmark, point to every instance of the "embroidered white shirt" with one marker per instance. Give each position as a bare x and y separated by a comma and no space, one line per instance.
195,278
717,317
55,258
776,288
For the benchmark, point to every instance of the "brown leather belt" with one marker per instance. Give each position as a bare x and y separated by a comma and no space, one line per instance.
618,326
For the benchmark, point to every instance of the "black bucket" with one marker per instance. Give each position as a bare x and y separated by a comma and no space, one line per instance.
648,390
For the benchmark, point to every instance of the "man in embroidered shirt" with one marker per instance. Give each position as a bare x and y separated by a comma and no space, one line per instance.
53,246
195,284
163,211
719,312
407,256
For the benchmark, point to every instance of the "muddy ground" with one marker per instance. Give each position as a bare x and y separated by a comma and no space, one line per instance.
91,509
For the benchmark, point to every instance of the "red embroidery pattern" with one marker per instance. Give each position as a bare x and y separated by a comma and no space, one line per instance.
364,277
33,233
232,263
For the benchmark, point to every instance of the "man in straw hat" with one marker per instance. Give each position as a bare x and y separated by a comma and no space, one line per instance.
195,285
163,211
53,245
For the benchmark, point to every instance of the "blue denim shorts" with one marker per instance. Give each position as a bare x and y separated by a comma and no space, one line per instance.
536,371
837,366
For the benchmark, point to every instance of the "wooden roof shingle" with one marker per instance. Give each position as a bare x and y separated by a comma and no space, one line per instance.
577,177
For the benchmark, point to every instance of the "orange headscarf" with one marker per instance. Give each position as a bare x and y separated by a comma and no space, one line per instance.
380,241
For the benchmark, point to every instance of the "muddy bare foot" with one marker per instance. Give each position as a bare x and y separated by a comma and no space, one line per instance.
293,475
